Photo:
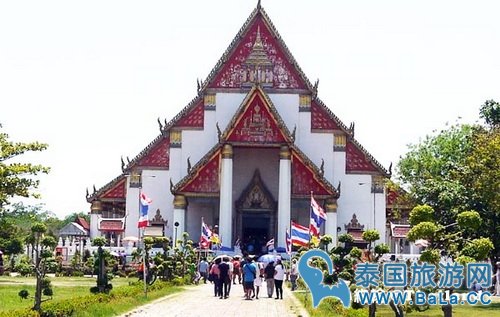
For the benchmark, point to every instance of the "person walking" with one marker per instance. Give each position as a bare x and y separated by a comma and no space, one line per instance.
215,273
249,274
294,273
203,269
279,276
258,279
269,276
225,280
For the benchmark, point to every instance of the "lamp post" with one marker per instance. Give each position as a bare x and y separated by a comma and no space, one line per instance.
176,224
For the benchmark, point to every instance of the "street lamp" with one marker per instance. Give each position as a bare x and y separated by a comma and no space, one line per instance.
176,224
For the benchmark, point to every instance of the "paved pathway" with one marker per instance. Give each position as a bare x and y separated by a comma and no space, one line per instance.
200,301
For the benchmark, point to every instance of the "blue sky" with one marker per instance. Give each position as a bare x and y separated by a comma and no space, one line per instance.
91,78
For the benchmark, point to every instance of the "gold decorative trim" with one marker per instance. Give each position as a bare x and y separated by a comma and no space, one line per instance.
180,202
340,141
331,205
176,138
209,100
272,109
227,151
96,207
285,153
304,100
234,43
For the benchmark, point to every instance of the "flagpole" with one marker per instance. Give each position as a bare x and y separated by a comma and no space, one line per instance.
310,211
141,234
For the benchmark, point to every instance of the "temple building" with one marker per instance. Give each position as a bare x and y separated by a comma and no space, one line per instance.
245,155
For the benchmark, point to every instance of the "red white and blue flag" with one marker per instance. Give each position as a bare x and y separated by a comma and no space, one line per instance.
318,216
288,242
300,235
270,244
206,233
145,201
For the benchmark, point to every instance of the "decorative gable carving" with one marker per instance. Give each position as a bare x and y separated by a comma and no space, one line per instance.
118,191
192,119
305,179
321,120
258,58
357,161
256,196
204,177
158,156
257,122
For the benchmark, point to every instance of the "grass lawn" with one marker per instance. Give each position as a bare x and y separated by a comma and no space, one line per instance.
63,287
327,309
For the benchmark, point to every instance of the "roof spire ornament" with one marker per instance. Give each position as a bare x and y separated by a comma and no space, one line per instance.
159,123
258,5
123,164
390,170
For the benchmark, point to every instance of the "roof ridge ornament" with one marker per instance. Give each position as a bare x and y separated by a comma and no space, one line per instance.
258,5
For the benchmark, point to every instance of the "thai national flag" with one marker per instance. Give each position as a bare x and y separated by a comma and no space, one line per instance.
206,233
270,244
300,235
288,242
318,216
143,218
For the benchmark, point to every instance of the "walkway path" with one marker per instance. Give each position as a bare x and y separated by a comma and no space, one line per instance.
200,301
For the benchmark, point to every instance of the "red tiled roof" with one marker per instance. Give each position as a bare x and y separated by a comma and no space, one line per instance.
82,222
111,225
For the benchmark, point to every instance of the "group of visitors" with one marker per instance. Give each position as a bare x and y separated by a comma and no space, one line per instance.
223,272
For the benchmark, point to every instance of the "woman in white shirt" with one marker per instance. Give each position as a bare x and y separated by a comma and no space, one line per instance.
258,279
279,276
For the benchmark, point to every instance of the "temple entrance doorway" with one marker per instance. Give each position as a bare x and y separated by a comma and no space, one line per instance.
256,217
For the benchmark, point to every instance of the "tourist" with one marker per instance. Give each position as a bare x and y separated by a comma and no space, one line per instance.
236,271
224,277
249,274
215,273
279,276
203,269
269,276
258,279
294,274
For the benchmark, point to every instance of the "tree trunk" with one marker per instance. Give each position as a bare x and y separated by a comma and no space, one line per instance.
39,278
447,310
372,308
398,310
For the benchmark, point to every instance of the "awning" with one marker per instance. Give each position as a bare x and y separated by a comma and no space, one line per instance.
112,224
399,231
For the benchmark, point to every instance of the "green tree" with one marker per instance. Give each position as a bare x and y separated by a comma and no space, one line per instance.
490,112
43,246
456,171
16,177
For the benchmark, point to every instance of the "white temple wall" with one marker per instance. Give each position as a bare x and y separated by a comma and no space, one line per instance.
226,106
287,106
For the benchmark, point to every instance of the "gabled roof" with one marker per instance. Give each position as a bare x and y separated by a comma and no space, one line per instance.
358,159
115,189
257,122
203,178
307,178
257,44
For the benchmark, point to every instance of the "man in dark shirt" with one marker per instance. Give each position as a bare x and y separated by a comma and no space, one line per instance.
225,279
269,275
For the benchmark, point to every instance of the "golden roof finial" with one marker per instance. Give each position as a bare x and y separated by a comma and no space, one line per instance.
258,41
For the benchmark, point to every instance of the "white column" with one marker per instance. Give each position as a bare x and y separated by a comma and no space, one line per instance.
331,219
95,210
284,195
226,197
180,205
